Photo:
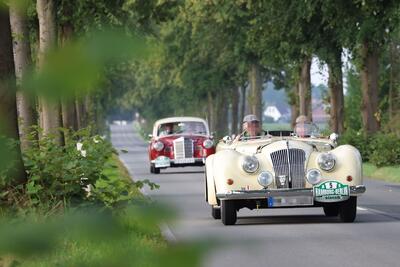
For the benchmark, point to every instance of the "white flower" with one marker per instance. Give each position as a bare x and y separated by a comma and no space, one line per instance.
95,140
88,190
83,153
79,146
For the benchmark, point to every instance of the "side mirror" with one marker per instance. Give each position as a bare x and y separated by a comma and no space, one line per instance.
227,139
333,137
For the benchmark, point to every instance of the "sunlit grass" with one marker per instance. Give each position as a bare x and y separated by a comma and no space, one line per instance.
388,174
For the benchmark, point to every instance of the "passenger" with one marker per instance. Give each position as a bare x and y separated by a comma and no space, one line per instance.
304,127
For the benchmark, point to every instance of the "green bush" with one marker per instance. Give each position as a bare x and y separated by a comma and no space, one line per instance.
381,149
359,140
73,174
385,149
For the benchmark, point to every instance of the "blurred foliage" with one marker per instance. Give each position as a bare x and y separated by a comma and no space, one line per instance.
78,68
90,238
7,160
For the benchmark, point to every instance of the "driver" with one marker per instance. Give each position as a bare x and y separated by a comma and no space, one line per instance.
168,129
251,126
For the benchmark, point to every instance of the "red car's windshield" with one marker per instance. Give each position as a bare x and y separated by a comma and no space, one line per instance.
186,127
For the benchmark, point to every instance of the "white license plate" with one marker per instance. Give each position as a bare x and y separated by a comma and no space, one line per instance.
290,201
162,162
184,161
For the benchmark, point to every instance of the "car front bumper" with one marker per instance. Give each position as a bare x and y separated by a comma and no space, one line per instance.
182,162
266,193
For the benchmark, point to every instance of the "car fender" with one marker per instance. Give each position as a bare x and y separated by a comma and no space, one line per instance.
210,183
348,163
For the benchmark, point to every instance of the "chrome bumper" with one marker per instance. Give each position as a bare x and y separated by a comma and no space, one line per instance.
181,162
266,193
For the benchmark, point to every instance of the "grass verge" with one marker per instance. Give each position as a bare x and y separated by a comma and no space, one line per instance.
388,174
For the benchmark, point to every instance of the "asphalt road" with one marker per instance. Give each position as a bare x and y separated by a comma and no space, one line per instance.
281,237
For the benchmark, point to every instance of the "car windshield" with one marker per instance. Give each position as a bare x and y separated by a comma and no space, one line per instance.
186,127
306,130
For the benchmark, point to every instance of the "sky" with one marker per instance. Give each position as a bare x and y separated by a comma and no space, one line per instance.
319,73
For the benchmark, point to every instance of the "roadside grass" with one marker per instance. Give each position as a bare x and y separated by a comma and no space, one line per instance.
128,237
388,174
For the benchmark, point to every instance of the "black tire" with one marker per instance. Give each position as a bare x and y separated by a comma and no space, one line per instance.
348,210
331,210
216,212
153,169
228,212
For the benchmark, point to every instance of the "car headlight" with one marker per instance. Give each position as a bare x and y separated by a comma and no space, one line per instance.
250,164
313,176
326,161
208,143
158,146
265,178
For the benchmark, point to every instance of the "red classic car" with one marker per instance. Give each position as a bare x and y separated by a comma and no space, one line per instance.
179,142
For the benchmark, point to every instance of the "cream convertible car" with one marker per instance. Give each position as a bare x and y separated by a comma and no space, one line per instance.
283,170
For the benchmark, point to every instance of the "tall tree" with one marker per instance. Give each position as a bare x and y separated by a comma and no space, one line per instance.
50,109
68,107
256,86
23,61
8,108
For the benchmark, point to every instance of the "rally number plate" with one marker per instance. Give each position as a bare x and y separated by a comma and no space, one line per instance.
331,191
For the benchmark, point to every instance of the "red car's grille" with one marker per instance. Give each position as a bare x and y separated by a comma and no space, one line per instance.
183,148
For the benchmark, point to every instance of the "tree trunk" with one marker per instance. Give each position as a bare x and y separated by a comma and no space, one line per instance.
305,89
242,106
211,112
221,108
22,60
335,84
235,110
8,107
50,108
255,97
69,114
294,104
369,85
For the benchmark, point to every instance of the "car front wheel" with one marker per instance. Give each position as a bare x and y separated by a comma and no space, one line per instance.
348,210
228,212
153,169
216,212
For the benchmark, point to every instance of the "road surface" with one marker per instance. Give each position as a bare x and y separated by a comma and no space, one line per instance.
281,237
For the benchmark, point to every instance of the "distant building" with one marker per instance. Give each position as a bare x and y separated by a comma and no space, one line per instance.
273,112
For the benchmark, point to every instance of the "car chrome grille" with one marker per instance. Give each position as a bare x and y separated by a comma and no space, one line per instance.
280,161
183,148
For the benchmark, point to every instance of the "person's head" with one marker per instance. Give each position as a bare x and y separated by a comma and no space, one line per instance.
302,126
251,124
169,127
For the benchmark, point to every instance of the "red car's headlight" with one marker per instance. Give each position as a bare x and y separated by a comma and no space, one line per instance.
158,146
208,144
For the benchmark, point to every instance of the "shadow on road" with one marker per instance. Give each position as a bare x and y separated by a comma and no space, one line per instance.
310,219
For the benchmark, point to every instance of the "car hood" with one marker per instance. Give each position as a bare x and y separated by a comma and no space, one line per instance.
251,147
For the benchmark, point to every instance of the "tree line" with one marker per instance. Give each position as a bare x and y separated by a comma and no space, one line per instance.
216,55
